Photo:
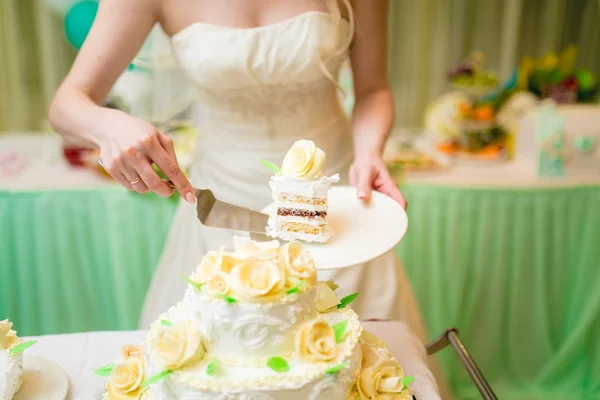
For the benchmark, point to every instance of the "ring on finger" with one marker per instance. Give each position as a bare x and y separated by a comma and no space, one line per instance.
136,180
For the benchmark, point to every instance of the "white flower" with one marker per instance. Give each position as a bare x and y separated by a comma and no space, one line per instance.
125,381
298,264
257,280
304,160
218,284
178,345
315,341
8,337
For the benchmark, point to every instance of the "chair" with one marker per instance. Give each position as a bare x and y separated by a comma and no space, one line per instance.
450,337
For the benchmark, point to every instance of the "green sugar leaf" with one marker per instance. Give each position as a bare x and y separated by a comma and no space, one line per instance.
212,367
271,166
348,299
106,370
22,347
164,322
406,381
198,286
228,299
295,288
339,330
278,364
156,378
334,370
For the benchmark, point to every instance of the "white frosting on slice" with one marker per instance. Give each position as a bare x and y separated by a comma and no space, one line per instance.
316,188
303,220
11,370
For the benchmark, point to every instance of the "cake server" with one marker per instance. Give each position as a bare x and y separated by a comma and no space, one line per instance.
218,214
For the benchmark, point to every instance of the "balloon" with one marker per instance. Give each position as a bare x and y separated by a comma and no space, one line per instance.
79,20
60,7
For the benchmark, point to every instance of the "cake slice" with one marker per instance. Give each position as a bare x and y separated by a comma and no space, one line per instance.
11,364
300,193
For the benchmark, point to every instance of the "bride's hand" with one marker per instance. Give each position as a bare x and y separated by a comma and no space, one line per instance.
371,173
130,146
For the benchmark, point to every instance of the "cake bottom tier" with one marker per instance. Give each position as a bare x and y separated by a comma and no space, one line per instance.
298,386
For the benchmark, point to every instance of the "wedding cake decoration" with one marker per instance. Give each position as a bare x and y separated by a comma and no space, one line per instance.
11,360
255,324
300,193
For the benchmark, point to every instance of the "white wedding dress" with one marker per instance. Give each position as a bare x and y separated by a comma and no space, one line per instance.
261,89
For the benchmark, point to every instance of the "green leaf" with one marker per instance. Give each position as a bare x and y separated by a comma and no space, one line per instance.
340,329
106,370
156,378
334,370
406,381
210,370
22,347
198,286
295,288
228,299
278,364
164,322
348,299
271,166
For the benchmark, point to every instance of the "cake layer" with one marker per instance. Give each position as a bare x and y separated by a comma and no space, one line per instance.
298,212
302,200
11,370
332,379
246,333
301,206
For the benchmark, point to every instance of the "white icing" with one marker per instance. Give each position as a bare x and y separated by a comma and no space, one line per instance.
303,220
246,332
289,236
300,206
316,188
11,370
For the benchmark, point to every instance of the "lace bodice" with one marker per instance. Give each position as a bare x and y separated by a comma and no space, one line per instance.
261,89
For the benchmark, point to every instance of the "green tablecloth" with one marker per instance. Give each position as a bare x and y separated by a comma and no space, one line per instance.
517,271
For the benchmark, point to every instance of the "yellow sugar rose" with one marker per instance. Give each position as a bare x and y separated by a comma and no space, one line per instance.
125,381
213,261
178,345
315,341
8,337
247,249
218,284
298,264
132,351
256,280
304,160
380,377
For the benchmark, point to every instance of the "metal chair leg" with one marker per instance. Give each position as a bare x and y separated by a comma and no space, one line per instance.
450,337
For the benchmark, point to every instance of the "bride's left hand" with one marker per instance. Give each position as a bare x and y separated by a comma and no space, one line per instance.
371,173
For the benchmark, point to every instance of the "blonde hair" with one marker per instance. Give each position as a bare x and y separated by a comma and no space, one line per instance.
337,19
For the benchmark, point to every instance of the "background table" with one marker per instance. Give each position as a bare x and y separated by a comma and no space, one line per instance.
80,354
511,260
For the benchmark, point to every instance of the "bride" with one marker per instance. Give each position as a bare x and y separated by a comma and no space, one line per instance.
266,71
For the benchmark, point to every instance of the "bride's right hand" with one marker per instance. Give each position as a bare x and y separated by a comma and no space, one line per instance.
128,148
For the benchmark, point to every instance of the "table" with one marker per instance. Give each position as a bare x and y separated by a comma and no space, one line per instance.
80,354
510,260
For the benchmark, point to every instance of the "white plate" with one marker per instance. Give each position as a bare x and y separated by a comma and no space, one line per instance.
362,232
42,380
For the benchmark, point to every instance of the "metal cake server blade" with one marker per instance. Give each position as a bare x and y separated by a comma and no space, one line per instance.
218,214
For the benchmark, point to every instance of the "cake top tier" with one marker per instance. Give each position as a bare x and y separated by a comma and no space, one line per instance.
256,272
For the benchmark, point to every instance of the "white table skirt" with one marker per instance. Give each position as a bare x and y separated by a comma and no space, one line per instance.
80,354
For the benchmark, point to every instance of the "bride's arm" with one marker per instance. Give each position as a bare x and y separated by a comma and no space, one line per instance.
128,146
373,114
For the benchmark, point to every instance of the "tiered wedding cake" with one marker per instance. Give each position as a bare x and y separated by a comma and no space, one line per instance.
255,324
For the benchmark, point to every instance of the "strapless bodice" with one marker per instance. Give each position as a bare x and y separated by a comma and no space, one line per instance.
261,89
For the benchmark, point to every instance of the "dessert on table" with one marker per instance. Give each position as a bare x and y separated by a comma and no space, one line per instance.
11,360
255,324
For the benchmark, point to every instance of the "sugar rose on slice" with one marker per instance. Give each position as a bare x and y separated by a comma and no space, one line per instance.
304,160
8,337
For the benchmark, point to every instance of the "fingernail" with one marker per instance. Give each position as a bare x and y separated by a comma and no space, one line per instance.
190,198
362,194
